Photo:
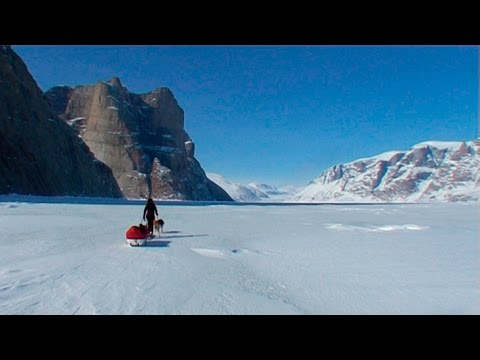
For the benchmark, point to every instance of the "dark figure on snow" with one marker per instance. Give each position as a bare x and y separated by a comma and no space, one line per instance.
149,212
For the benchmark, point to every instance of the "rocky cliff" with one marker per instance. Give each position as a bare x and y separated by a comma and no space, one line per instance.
141,137
39,153
429,171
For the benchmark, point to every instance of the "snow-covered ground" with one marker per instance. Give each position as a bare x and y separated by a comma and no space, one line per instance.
241,259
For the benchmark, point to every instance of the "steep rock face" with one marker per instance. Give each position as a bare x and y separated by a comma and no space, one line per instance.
39,153
140,137
430,171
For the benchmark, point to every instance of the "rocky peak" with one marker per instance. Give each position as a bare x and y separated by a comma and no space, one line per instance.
166,113
420,156
115,82
142,139
119,90
461,151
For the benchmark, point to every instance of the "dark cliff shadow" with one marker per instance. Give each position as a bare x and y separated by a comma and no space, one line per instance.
157,243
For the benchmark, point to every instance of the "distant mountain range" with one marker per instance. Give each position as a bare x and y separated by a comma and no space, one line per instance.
429,171
251,192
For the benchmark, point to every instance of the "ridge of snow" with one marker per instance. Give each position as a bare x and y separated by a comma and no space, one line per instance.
439,144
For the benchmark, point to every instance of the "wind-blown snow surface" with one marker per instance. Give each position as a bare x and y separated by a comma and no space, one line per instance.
241,259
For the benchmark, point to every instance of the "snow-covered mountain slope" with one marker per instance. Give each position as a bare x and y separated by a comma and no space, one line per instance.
429,171
266,189
237,191
252,191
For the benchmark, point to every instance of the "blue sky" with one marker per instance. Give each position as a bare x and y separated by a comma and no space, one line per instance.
283,114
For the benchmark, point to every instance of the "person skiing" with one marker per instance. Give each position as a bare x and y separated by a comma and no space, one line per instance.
150,211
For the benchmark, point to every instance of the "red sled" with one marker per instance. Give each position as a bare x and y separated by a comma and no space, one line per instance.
137,235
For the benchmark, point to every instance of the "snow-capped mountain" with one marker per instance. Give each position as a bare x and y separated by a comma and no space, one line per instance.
237,191
252,191
267,189
274,193
429,171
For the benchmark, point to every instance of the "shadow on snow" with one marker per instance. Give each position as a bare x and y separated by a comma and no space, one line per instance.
180,236
157,243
